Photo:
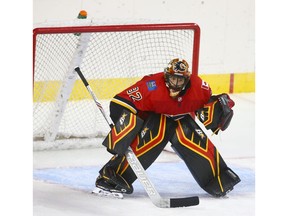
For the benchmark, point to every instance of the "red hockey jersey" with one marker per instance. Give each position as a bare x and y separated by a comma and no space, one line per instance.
151,94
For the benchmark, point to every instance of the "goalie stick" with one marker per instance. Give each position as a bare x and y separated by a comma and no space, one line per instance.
138,169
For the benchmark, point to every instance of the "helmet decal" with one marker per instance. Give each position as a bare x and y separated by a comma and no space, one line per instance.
179,67
176,76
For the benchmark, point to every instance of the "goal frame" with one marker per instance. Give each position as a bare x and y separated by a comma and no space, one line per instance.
195,49
130,27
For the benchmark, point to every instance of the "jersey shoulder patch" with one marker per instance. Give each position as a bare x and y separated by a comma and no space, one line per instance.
151,85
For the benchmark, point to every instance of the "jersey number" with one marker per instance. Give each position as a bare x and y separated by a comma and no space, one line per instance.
205,85
134,94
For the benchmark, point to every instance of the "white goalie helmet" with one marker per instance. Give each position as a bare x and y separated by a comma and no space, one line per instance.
176,76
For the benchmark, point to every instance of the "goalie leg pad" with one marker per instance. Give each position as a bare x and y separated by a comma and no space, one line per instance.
123,133
149,143
202,158
147,146
222,184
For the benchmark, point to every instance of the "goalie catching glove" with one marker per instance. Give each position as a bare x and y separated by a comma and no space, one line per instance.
217,113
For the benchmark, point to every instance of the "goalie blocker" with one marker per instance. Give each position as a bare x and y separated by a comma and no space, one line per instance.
149,138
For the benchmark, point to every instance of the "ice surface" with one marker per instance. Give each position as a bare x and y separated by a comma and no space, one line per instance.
63,179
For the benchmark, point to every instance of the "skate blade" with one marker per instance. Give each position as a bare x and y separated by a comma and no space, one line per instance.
104,193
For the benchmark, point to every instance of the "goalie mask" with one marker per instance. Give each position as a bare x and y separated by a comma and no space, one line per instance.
176,76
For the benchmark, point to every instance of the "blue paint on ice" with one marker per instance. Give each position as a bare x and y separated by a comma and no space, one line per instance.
169,179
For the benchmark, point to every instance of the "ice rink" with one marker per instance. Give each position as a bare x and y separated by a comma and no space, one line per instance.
63,179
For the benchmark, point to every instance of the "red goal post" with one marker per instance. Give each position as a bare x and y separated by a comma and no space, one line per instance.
111,57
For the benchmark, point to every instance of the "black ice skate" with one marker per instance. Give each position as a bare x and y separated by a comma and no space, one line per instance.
103,188
110,183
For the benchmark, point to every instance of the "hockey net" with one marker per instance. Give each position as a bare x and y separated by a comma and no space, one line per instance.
111,57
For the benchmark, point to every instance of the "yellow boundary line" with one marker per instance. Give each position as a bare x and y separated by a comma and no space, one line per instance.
46,91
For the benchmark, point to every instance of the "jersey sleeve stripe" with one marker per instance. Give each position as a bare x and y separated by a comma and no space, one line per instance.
124,104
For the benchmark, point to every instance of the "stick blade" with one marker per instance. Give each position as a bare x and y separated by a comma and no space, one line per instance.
184,202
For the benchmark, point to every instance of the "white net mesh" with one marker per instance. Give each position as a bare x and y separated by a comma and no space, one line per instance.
114,59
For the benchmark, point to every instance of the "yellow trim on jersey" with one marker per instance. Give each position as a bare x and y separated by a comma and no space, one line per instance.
134,111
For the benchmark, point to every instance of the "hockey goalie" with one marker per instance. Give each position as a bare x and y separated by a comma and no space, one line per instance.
161,108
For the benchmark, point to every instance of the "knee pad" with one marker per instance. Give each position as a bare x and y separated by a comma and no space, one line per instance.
123,133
